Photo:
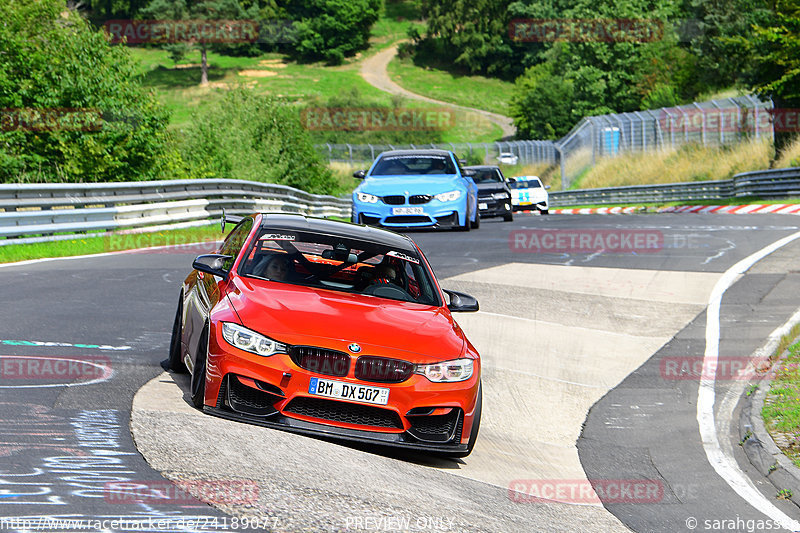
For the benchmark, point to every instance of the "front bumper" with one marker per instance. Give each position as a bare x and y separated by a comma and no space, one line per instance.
434,214
274,392
494,208
530,206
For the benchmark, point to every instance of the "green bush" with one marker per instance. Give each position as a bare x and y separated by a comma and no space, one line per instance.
248,136
73,109
331,29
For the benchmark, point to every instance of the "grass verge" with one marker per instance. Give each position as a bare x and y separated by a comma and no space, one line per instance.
177,87
89,244
781,411
489,94
690,162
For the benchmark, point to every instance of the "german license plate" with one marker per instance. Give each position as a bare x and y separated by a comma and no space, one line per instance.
483,206
407,211
348,391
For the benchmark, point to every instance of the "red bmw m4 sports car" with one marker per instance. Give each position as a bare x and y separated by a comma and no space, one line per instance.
329,328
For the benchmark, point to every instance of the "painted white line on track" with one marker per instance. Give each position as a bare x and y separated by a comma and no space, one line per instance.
724,464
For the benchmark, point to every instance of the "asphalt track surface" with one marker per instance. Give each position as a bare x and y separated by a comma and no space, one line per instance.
562,334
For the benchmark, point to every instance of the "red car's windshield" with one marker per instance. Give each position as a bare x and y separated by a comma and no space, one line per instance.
340,264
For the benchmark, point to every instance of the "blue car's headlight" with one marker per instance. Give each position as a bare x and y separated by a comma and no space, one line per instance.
367,198
450,196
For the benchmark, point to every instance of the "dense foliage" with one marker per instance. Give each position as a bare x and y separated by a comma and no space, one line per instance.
247,136
72,107
331,29
696,47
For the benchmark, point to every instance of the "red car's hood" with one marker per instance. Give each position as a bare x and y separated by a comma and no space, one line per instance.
307,316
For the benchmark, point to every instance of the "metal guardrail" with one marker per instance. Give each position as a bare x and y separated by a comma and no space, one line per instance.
38,211
778,183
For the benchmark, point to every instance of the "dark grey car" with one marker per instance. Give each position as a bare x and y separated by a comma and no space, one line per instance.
494,195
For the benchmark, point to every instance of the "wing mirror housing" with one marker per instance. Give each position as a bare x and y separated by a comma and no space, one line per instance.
360,174
213,264
460,302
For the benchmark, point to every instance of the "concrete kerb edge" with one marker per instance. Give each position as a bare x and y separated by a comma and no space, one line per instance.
760,448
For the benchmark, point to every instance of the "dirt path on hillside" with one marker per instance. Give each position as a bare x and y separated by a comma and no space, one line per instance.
373,70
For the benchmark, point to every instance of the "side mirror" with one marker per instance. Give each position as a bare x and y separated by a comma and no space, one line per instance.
360,174
212,264
460,302
546,186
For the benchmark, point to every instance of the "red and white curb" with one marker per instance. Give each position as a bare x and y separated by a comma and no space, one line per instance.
749,209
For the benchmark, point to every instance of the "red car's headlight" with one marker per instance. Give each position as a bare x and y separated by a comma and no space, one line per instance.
250,341
446,371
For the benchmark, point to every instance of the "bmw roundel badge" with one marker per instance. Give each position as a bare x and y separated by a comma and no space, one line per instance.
355,348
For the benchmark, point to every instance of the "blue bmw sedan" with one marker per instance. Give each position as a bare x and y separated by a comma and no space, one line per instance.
416,189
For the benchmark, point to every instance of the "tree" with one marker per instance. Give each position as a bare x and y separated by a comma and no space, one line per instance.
253,137
774,72
192,12
331,29
72,106
542,103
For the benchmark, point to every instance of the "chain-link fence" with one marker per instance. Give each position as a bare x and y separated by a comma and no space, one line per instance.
526,152
716,122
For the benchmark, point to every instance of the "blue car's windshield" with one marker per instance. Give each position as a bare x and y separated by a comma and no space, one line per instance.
412,165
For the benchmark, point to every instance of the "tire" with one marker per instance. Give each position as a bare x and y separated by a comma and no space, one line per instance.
544,211
175,361
477,223
198,387
508,217
476,426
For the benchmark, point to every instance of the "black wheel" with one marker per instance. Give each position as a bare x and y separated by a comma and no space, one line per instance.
198,387
544,211
509,217
477,223
175,360
476,426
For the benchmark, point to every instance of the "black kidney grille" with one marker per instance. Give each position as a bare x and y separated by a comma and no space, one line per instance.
320,360
343,412
420,199
382,369
394,199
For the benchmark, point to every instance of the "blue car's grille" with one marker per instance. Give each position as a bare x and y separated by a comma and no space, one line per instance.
420,199
394,200
408,219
